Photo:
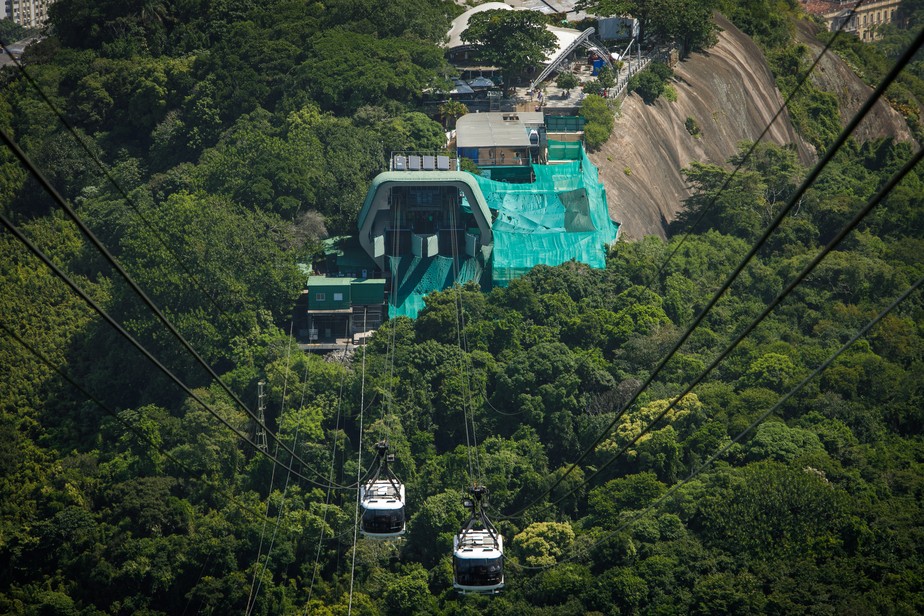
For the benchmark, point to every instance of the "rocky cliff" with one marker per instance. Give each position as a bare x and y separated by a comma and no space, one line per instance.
833,75
731,95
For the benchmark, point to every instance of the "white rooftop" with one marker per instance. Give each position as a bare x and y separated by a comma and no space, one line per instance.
496,129
564,36
460,23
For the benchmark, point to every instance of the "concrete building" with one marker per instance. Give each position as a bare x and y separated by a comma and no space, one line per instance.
863,23
27,13
510,139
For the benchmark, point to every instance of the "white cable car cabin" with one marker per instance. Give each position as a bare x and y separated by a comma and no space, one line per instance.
382,501
478,552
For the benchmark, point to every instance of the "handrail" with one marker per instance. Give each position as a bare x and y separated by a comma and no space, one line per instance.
582,39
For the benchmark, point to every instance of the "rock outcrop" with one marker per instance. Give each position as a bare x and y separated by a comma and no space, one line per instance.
834,75
730,94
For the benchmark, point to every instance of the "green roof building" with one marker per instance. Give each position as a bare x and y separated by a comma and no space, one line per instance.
339,309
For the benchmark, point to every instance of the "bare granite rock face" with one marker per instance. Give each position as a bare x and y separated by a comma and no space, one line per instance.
730,93
834,75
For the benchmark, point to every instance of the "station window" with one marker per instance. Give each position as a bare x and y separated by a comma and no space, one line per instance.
320,297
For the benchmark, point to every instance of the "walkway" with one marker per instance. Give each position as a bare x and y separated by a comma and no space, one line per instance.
557,98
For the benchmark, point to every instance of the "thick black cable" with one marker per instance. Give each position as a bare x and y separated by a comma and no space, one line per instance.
138,433
809,180
705,210
760,418
468,411
159,233
850,226
62,203
127,336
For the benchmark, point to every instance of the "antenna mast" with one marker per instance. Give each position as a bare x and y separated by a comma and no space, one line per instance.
260,432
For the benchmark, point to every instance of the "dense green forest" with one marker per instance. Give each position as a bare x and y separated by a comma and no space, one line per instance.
241,133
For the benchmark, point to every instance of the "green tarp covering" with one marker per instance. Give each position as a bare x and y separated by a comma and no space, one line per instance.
562,216
564,124
416,277
565,150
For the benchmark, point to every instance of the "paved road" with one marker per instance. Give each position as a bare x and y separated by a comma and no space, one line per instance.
16,49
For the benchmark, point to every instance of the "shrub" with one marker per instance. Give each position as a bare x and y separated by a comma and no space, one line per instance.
692,126
661,70
593,88
606,77
566,80
651,82
596,110
595,135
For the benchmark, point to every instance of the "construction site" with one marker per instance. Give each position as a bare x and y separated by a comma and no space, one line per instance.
426,225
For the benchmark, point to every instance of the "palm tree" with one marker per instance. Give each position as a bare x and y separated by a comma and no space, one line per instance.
450,111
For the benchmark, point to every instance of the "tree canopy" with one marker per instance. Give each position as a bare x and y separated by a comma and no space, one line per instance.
124,493
516,41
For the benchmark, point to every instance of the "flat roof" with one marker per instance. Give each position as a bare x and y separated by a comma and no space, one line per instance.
496,129
335,281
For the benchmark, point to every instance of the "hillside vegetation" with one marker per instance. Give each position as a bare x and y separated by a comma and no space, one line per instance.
243,139
730,92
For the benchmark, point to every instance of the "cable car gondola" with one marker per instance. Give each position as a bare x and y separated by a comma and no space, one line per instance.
382,500
478,551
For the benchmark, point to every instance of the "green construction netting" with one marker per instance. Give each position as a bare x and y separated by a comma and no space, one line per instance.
417,276
564,124
561,216
565,150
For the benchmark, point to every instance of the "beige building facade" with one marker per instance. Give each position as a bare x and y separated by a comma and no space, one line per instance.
864,22
28,13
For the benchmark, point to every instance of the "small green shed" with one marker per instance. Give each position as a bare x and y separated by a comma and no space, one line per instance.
329,293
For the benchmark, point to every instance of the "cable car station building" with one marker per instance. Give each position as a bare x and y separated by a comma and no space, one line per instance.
427,225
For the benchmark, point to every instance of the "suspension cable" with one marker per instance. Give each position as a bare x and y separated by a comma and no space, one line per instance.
809,180
62,203
138,346
159,233
457,305
850,226
190,473
359,469
468,367
722,450
29,165
256,564
391,348
285,488
705,210
333,458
